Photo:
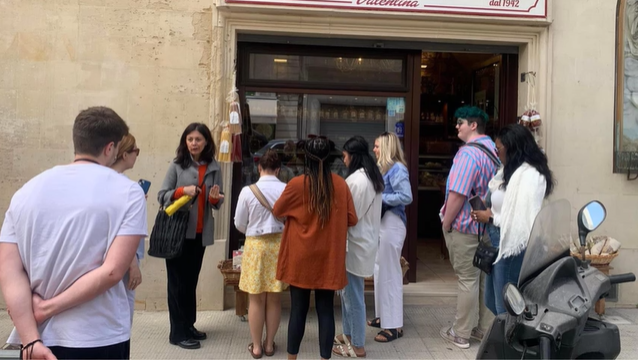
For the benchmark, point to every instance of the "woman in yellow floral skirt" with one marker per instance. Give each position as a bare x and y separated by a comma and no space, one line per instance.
253,217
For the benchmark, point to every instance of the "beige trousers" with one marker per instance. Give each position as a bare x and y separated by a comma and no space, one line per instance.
470,305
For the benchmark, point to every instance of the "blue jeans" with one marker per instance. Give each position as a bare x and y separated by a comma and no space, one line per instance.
505,271
353,310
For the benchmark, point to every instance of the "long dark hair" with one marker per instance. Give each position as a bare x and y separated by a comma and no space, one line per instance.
183,157
521,147
318,178
359,151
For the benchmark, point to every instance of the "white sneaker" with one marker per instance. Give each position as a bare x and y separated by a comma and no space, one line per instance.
448,334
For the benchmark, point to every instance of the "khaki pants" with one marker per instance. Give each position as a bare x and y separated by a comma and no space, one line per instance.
470,305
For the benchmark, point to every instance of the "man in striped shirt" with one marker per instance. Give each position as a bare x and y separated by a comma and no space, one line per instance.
469,176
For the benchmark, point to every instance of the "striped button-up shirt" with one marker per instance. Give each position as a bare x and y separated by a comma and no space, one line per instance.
472,170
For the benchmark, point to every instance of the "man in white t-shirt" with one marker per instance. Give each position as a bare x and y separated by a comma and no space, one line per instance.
68,237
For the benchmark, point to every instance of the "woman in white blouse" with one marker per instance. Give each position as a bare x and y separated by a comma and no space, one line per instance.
366,185
516,196
261,250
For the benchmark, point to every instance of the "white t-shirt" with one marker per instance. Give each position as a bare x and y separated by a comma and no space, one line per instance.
64,221
251,218
363,239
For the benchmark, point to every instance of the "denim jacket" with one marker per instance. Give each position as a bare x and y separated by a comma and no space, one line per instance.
398,192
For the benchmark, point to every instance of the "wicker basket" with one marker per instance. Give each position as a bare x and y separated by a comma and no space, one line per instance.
598,259
231,276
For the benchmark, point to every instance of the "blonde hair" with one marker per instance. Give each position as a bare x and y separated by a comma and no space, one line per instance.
126,145
390,152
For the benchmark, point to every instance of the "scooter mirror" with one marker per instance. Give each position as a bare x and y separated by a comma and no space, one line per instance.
513,300
590,217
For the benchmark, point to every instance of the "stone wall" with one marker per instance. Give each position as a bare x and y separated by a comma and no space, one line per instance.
149,60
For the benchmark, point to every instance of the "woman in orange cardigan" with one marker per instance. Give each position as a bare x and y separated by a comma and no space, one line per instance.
318,208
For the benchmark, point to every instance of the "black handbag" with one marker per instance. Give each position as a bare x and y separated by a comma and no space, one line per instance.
485,254
169,233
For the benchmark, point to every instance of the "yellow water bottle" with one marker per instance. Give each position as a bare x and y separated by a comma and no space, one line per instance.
170,210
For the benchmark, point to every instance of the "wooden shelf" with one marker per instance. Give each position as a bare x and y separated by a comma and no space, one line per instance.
433,123
432,170
362,121
436,157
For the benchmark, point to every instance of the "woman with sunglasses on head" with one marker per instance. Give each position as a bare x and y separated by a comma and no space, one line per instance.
388,277
515,197
366,184
193,172
127,154
318,209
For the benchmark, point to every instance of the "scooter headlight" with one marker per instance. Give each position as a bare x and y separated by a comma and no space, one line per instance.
513,300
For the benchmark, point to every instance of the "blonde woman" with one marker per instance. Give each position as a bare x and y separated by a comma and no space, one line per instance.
388,278
126,156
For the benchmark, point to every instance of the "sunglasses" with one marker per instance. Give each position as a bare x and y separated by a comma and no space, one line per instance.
313,136
135,150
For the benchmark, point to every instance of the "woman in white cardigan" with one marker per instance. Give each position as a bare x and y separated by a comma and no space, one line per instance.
516,196
366,185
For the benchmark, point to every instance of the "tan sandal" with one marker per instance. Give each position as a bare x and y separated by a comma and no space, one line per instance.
271,353
251,346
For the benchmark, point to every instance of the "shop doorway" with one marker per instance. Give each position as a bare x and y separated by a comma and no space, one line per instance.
449,81
291,91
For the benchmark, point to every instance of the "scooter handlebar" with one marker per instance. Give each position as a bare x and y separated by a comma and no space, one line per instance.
623,278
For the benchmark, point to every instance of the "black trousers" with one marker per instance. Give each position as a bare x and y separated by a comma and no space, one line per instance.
183,274
299,305
119,351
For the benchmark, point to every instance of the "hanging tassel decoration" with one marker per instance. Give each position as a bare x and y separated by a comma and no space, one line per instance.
225,146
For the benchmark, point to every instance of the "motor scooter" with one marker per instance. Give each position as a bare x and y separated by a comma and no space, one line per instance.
548,310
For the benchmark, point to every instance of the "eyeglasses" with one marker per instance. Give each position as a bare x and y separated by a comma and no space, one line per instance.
135,150
461,121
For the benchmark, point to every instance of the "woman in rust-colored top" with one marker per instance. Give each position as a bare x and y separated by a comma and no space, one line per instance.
318,208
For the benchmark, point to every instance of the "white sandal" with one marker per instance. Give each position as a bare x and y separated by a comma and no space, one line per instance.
342,351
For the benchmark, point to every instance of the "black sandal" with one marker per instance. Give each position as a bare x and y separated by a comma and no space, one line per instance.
376,322
390,335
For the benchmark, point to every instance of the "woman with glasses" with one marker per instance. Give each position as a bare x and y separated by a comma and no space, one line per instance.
126,156
193,172
515,197
388,277
318,209
366,184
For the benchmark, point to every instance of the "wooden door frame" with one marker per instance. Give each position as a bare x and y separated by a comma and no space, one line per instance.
508,109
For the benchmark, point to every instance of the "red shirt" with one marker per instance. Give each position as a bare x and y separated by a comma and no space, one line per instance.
201,201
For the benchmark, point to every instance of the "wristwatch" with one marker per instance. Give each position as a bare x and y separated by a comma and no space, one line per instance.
491,220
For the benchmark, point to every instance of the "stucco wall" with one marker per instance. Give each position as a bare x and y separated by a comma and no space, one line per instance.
580,135
148,60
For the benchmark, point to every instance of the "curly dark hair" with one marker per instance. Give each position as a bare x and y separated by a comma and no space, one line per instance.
473,115
318,177
359,150
521,148
183,157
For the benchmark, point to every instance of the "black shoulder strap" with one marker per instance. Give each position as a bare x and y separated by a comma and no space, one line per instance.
487,152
